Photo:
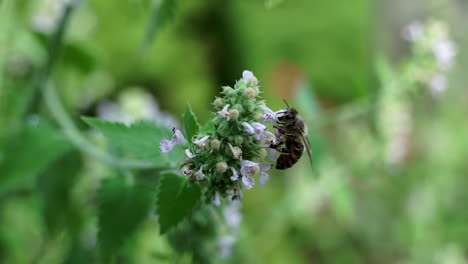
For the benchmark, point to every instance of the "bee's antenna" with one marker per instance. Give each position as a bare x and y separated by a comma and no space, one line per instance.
284,100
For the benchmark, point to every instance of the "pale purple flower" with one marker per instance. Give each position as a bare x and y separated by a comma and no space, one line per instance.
201,142
259,129
272,154
264,177
224,113
248,128
248,166
235,174
249,76
248,181
271,116
444,52
177,138
217,199
225,244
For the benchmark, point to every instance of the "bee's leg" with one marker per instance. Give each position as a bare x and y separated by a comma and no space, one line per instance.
280,148
280,130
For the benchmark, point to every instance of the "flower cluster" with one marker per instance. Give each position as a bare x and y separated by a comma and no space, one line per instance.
225,157
431,43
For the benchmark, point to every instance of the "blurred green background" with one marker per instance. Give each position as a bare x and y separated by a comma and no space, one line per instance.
344,65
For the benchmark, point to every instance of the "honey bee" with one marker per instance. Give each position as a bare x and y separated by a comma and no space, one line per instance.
293,139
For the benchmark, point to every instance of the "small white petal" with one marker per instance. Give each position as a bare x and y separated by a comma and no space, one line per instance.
201,142
224,113
199,175
235,174
236,151
189,154
186,170
217,199
225,244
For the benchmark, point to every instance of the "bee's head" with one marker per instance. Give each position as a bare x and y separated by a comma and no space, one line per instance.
289,115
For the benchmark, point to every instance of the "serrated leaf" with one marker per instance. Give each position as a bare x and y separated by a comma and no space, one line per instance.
122,208
28,154
55,187
140,139
161,13
176,199
191,126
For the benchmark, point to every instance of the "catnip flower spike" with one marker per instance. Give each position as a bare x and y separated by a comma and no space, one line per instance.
228,157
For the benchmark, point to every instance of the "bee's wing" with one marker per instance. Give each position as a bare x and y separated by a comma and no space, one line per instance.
308,148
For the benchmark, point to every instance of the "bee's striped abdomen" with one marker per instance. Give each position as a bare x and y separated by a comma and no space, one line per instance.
287,160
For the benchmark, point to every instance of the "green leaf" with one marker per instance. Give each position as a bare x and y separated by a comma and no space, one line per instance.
176,199
161,13
191,126
55,189
29,154
122,209
140,139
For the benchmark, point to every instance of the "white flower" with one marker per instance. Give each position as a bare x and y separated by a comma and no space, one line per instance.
269,138
413,31
189,154
225,244
177,138
444,52
199,175
236,151
271,116
232,216
217,199
235,174
185,170
201,142
224,113
438,84
249,76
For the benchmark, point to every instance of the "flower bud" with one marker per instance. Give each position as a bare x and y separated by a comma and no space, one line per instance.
238,140
250,93
221,166
255,169
259,117
228,91
215,144
219,102
234,113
